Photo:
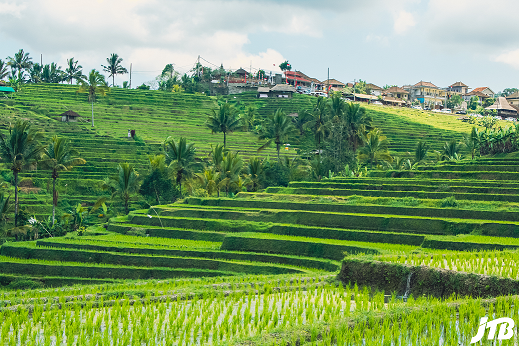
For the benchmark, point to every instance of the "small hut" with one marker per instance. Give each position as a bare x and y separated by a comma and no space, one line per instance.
503,108
5,91
69,116
282,90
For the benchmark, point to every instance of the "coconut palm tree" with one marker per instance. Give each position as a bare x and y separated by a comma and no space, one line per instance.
96,84
180,158
224,120
20,148
3,69
231,168
21,62
52,73
303,116
123,185
375,148
318,122
358,123
73,71
114,67
59,156
35,73
451,151
255,173
278,129
420,152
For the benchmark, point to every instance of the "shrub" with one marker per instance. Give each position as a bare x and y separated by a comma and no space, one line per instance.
449,202
136,231
23,284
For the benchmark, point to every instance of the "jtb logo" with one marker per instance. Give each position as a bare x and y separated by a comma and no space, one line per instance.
506,331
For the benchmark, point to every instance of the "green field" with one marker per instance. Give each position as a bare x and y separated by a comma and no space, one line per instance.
412,255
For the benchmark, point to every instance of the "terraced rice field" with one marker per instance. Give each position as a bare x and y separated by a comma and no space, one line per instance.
283,266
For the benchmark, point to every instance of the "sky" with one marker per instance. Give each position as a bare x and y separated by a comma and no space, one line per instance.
383,42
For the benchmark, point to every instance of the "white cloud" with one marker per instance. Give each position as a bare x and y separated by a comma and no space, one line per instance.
403,22
510,58
11,9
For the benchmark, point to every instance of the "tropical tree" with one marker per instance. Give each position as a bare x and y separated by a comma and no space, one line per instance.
3,69
318,122
249,117
277,129
52,73
285,66
255,173
59,156
375,148
73,71
225,119
471,142
4,207
451,151
303,117
35,73
157,185
180,158
123,185
21,62
96,84
114,67
358,123
420,152
20,148
232,166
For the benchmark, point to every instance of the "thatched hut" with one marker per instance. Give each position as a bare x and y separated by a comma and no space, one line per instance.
69,116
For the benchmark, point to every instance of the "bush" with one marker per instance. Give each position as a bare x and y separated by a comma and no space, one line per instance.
449,202
23,284
275,174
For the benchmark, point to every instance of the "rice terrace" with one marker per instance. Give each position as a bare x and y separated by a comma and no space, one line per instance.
189,216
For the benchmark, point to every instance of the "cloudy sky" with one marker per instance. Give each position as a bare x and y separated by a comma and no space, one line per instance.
383,42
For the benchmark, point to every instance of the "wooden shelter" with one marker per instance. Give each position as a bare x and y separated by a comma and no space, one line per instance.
69,116
503,108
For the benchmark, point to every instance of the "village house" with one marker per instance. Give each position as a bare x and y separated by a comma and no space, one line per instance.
333,85
459,88
513,99
427,93
375,89
397,93
481,96
279,90
296,79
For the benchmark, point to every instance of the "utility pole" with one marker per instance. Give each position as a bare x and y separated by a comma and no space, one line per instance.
41,60
130,76
354,83
328,83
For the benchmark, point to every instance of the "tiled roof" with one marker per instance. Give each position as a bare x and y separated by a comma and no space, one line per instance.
501,103
373,86
459,84
332,82
396,90
425,84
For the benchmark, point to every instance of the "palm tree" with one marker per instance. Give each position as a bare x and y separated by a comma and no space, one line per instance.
277,129
4,207
95,84
303,116
225,120
59,156
73,71
231,168
35,73
318,123
19,149
255,173
114,67
216,155
180,158
375,148
52,73
250,116
420,152
451,151
336,106
3,69
21,62
123,184
358,122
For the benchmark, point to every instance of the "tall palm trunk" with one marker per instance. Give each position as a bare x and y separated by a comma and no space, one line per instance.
92,113
224,139
54,196
15,173
278,147
113,80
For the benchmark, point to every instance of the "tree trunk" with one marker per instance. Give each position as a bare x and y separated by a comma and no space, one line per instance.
15,173
224,139
54,199
92,113
113,80
126,208
278,147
